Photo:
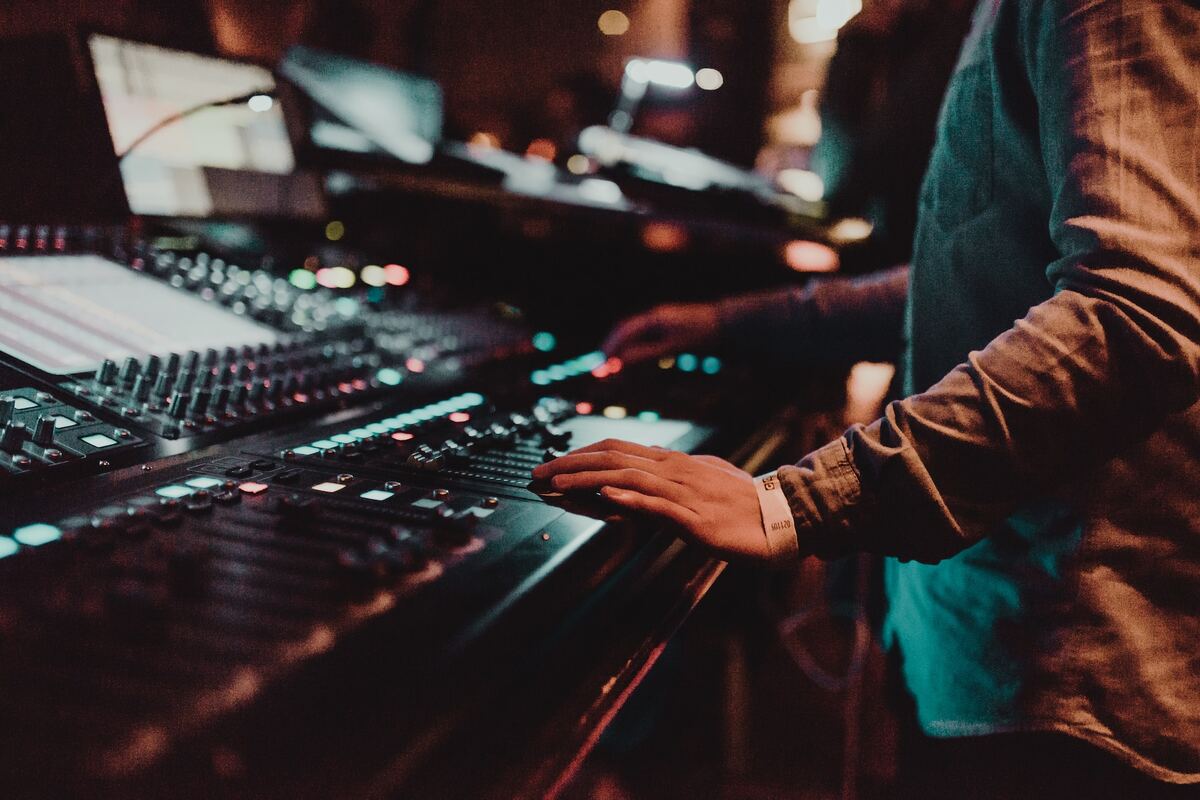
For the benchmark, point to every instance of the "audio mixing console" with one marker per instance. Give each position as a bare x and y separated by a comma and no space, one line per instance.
240,519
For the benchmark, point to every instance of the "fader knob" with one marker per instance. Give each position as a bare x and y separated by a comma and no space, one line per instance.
179,405
106,373
190,361
141,388
43,431
455,529
129,371
220,401
162,385
13,436
555,437
199,404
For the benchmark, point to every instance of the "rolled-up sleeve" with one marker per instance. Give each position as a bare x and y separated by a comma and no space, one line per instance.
1114,350
829,320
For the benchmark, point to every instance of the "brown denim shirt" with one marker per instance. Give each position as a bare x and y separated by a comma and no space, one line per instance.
1039,488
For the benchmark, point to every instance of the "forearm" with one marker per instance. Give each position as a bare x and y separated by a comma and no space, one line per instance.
833,320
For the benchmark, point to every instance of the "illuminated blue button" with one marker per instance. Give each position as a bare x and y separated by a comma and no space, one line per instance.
344,438
173,492
204,483
305,451
473,398
426,502
649,416
7,547
557,373
361,433
37,534
377,494
23,404
324,444
378,427
711,365
540,378
544,341
687,362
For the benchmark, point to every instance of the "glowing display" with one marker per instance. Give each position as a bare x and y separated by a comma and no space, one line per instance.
66,314
228,159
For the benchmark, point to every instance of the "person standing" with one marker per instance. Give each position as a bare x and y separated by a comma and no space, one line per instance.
1036,490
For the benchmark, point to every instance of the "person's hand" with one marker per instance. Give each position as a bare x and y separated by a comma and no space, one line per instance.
663,331
703,498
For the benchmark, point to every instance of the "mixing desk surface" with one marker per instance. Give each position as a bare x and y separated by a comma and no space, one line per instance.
256,567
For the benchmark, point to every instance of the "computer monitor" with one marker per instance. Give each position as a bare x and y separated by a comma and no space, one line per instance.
221,161
366,108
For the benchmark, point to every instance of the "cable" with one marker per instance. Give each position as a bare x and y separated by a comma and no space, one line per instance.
172,119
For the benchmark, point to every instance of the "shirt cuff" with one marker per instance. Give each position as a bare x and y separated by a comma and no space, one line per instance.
823,491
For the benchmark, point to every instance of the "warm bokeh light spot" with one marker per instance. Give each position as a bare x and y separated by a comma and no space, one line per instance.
803,256
709,79
613,23
396,275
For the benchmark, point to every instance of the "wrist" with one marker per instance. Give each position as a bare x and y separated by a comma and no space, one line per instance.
779,526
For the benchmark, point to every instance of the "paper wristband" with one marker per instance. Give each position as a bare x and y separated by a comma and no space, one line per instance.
778,524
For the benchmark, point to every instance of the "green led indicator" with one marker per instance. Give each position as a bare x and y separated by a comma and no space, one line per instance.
302,279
